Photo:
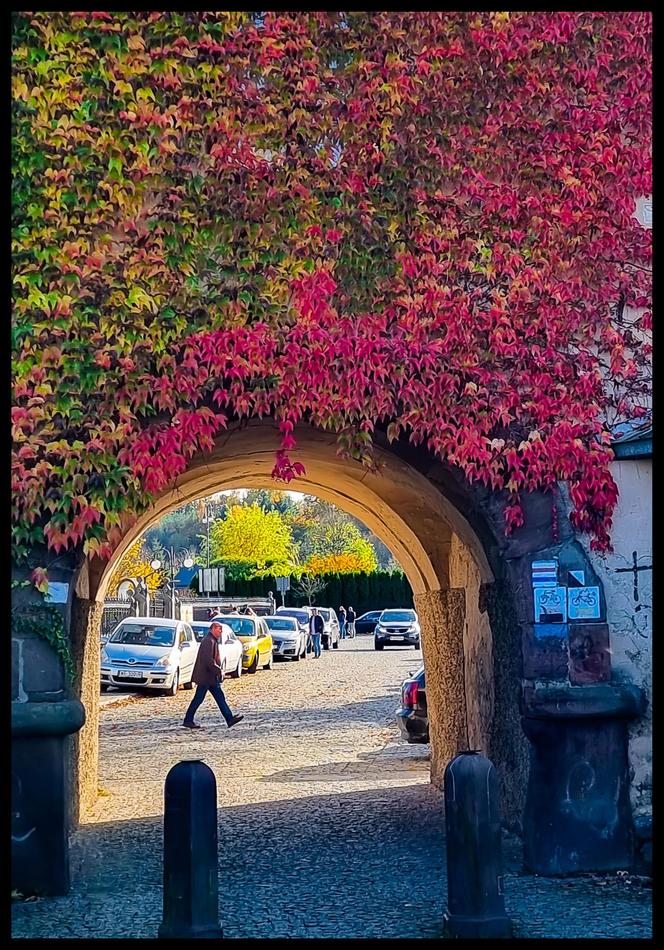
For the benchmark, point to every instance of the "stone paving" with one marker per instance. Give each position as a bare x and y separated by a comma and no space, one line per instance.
328,826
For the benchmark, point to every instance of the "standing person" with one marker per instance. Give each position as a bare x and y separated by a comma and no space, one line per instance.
342,622
208,676
350,621
316,626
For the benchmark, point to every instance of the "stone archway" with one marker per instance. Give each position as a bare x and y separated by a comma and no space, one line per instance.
491,679
439,551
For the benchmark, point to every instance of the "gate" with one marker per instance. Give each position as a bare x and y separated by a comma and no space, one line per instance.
115,610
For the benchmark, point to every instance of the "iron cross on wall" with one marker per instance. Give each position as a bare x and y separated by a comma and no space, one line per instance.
634,570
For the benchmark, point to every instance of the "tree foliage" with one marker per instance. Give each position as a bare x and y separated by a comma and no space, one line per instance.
135,563
420,224
251,535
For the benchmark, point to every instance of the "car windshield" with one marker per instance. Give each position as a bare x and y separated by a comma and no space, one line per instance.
324,612
397,616
281,623
200,630
241,626
371,615
300,615
144,634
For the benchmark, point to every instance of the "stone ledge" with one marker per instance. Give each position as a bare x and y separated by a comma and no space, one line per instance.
47,719
603,700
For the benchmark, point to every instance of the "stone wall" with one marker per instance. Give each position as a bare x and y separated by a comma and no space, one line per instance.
629,610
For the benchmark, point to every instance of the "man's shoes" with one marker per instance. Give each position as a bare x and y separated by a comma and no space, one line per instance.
234,721
191,725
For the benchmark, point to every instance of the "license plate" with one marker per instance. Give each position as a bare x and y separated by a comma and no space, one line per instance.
131,674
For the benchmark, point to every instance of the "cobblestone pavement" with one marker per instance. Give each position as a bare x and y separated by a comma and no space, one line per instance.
328,826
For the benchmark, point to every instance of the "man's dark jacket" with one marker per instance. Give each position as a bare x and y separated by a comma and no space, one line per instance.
207,668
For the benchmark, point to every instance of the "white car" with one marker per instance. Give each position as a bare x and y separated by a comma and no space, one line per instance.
230,648
289,638
149,652
331,631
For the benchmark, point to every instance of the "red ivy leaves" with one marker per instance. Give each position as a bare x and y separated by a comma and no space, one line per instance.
423,222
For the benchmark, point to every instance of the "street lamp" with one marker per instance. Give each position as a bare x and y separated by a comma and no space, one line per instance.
207,518
156,564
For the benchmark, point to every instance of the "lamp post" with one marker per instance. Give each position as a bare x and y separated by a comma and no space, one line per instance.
156,564
207,519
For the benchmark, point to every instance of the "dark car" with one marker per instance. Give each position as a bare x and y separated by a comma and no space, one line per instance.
397,628
367,622
412,715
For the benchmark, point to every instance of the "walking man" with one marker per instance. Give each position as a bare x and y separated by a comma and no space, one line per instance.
350,622
342,622
208,676
316,627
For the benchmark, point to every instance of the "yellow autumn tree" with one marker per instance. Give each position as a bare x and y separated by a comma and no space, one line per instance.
134,563
257,538
360,556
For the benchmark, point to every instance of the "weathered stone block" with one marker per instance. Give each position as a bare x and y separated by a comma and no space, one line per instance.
578,815
589,653
42,668
545,653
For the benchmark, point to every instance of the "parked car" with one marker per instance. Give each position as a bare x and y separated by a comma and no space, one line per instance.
367,622
150,652
302,615
412,715
331,632
396,627
289,639
256,640
230,648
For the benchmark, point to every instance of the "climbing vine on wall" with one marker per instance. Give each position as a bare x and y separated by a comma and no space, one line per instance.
419,223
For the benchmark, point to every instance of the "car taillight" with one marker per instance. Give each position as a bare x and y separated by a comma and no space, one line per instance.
409,693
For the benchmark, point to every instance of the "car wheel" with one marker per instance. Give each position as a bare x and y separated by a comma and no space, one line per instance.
238,670
268,665
417,645
326,644
189,685
173,688
104,687
297,657
335,645
378,646
254,665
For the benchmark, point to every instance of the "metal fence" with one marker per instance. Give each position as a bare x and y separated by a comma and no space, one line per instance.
114,611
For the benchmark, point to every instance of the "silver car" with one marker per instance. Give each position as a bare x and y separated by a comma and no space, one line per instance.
289,638
151,653
331,630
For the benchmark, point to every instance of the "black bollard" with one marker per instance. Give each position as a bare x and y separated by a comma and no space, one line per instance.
190,852
475,903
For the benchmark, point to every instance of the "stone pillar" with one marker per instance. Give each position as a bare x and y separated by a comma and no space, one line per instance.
578,814
44,716
85,644
442,619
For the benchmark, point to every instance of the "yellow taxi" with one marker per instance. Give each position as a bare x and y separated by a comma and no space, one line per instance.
255,637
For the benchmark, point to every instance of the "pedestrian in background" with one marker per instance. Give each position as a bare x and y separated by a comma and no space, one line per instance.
342,622
350,622
208,676
316,626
